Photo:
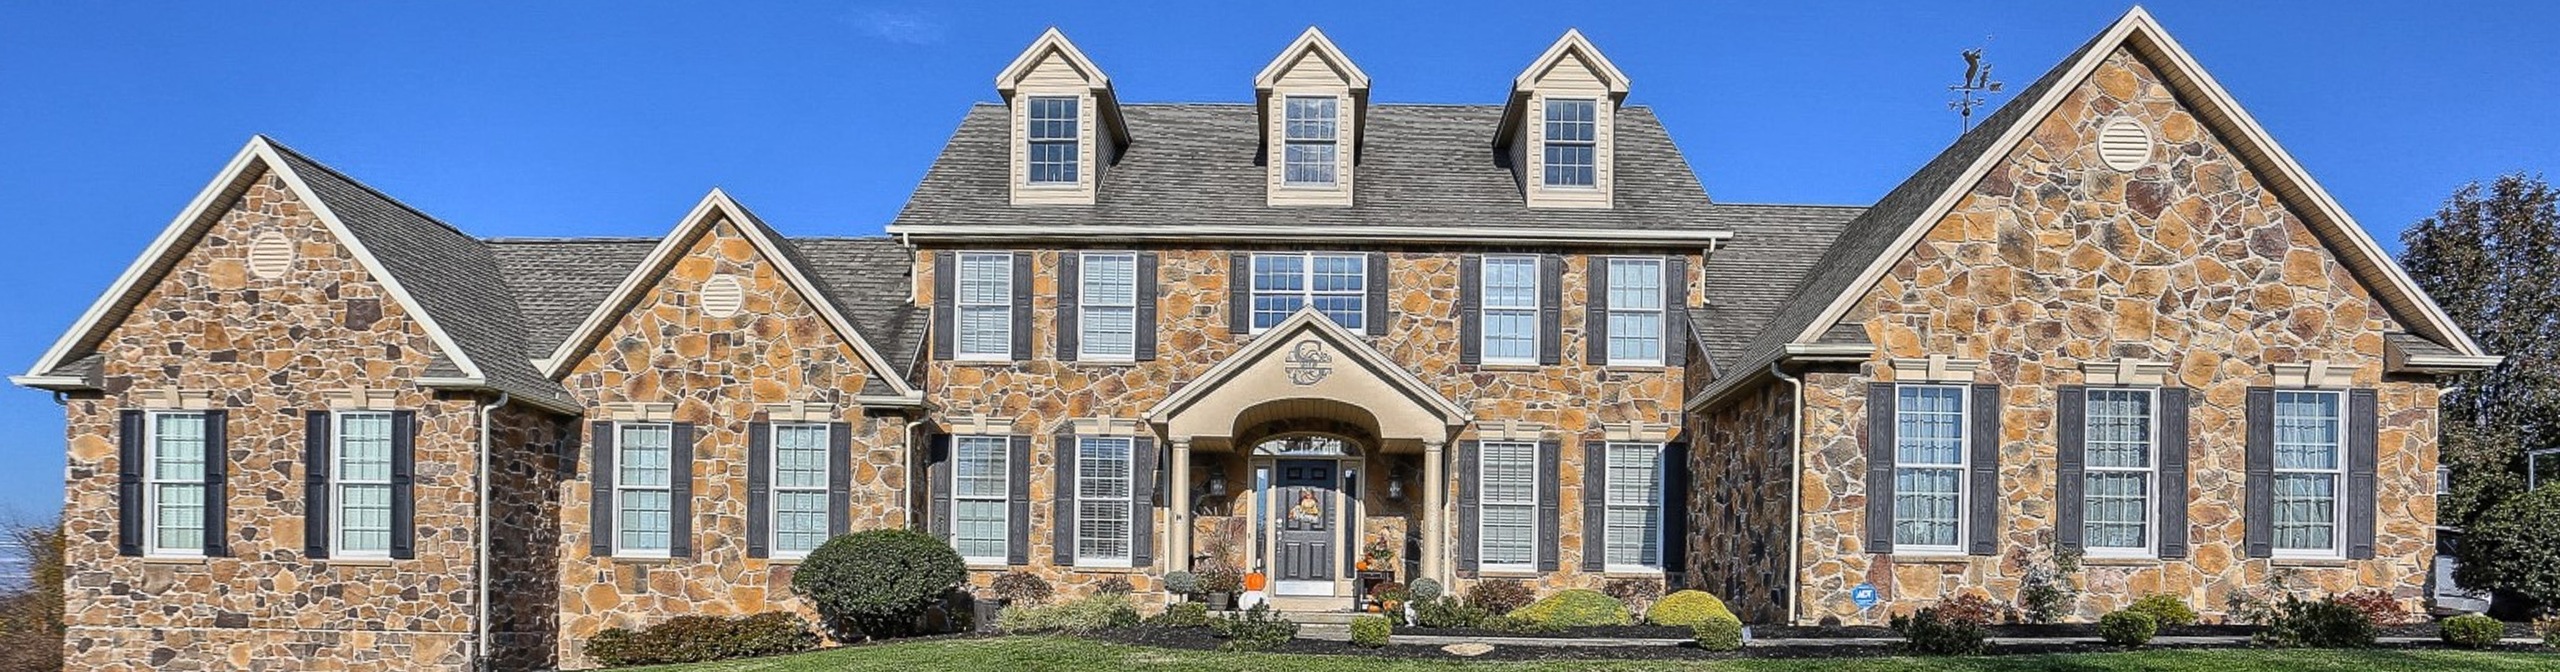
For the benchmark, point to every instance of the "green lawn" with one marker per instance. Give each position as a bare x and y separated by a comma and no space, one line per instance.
1059,653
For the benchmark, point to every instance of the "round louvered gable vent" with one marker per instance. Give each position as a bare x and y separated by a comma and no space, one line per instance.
2124,144
722,296
270,254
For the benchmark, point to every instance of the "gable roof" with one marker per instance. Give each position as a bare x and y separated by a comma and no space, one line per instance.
1307,319
1751,277
1053,42
1313,42
1571,45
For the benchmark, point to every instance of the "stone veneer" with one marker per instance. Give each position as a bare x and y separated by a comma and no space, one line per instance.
1741,467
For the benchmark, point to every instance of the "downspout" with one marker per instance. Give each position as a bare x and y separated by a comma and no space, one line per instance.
1795,491
480,625
915,460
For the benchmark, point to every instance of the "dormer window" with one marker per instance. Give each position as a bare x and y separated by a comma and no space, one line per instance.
1311,123
1053,138
1555,130
1066,127
1310,103
1573,137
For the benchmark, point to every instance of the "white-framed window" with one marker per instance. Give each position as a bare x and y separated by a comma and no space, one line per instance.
981,484
1507,511
1635,507
1929,469
2541,467
1053,135
643,501
984,324
1573,140
1308,123
2121,459
1509,308
2310,470
360,484
1102,501
799,488
1336,284
1107,306
1635,311
174,485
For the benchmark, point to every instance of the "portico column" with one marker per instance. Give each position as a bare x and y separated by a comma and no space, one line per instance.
1178,515
1435,495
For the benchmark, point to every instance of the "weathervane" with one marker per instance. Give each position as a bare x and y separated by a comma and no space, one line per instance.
1977,82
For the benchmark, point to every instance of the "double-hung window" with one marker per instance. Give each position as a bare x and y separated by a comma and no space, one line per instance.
1573,140
1635,311
1510,308
362,475
1929,468
1052,135
1309,123
2309,472
2120,464
642,496
1336,284
979,488
175,489
2541,467
1507,534
1635,507
1102,501
799,488
985,305
1107,307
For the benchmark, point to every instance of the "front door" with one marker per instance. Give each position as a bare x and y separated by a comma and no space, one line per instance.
1304,515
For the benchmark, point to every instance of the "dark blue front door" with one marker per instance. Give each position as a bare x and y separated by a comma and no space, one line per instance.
1302,500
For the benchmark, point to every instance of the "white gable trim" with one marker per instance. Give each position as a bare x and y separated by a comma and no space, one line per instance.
1311,41
1575,44
1279,335
1049,41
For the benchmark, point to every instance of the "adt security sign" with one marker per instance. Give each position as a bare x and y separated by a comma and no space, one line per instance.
1864,595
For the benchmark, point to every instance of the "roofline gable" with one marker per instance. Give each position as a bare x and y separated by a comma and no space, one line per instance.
1052,40
1573,43
1278,336
1312,40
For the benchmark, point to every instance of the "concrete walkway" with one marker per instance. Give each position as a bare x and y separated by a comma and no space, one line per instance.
1334,632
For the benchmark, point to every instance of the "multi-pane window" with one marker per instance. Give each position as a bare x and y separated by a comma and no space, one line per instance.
799,488
1102,501
985,304
644,465
175,488
1053,136
363,485
979,488
1929,466
1635,506
1309,123
1336,284
2117,472
2309,468
1510,308
1507,536
1107,307
1635,311
1573,140
2541,467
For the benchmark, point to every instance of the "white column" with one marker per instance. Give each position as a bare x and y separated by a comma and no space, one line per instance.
1177,540
1435,527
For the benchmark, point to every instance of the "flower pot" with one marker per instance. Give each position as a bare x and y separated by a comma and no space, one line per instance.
1218,601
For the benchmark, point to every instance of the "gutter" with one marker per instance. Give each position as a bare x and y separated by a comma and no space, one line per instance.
1367,234
1795,493
480,625
1721,388
2450,363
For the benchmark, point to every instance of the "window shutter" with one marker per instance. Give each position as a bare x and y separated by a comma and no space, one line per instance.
839,479
1146,322
2172,503
600,490
1467,521
2260,510
1377,302
1880,457
1062,501
404,484
217,483
1984,500
759,490
1551,309
2070,484
1019,515
946,286
1675,508
1022,306
2362,444
680,491
1675,311
1595,312
130,428
1470,309
1239,293
1142,497
938,475
1070,268
315,484
1550,457
1595,505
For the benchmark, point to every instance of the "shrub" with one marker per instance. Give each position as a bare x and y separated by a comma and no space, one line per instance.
1578,607
1498,596
1686,608
694,639
31,630
1221,578
2377,605
2165,609
2549,628
2327,623
1371,631
1424,590
1115,586
1941,630
1387,591
2472,631
1718,633
1447,612
1184,615
2128,627
1636,593
1083,615
1257,629
1181,582
1976,608
2515,546
2047,595
1020,587
878,582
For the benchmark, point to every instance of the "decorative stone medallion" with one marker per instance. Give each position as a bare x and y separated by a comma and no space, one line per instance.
2124,144
722,296
1308,362
270,254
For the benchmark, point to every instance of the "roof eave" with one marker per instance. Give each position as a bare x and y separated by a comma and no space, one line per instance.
1379,234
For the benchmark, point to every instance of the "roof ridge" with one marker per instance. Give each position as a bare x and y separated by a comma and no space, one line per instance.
518,240
359,184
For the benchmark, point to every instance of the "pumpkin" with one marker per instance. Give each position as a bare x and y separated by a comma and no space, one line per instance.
1255,580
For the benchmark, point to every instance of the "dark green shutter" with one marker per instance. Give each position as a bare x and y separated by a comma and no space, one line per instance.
1675,508
1675,311
2070,485
759,490
2259,512
1378,310
1880,462
315,484
938,480
217,483
2173,473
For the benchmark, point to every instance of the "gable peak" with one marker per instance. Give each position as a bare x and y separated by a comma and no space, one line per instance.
1580,50
1312,42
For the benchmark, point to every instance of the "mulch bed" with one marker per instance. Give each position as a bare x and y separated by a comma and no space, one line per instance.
1200,639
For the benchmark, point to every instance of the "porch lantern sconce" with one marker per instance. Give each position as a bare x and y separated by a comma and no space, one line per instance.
1395,483
1218,482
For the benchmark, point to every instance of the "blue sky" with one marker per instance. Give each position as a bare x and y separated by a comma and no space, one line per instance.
558,118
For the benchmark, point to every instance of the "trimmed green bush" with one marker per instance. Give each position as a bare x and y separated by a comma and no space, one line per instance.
1183,615
1021,587
1181,582
2165,609
1720,632
878,582
1424,590
1498,596
1257,629
1578,607
2128,628
2472,631
1687,608
1115,586
1371,631
694,639
2327,623
1447,612
1945,630
1083,615
2549,628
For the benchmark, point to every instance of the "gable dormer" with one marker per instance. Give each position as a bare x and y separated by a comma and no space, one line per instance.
1557,126
1066,122
1312,102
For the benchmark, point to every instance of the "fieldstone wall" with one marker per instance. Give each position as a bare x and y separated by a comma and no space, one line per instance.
2055,259
1742,468
526,472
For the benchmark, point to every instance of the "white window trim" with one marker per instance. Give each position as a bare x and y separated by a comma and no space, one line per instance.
2533,476
338,491
1130,526
960,306
1544,139
2337,490
1085,303
2150,478
622,487
773,476
1963,466
1611,510
151,483
1306,291
1334,142
1030,120
1004,510
1485,309
1536,522
1662,345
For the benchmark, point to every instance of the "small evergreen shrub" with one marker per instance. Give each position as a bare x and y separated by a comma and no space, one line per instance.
2327,623
1976,608
1180,582
1115,586
1687,608
1424,590
1256,629
694,639
878,582
1020,587
2128,628
1084,615
1718,633
1448,612
2377,605
1183,615
1573,608
2549,628
1371,631
2165,609
2472,631
1954,627
1498,596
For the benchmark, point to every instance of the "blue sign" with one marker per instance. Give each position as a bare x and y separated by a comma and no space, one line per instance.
1864,595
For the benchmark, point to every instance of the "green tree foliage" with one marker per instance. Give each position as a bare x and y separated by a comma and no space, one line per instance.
31,613
2489,256
2515,546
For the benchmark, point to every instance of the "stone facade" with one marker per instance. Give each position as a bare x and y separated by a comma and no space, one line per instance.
1744,470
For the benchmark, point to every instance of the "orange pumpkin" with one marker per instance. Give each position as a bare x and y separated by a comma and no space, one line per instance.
1363,565
1255,580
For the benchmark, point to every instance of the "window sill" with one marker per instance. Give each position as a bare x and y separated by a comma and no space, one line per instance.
1632,572
1510,366
987,565
1639,367
642,559
1102,363
1105,569
174,559
982,362
2120,560
352,562
1935,558
1509,573
2312,562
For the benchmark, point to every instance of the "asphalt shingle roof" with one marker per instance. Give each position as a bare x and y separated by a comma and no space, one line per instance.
559,281
1751,277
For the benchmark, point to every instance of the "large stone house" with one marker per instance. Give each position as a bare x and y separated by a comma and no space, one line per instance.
315,427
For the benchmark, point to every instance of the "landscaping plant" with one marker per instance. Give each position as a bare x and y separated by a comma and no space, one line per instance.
1945,630
1256,629
694,639
1448,612
2326,623
31,629
1371,631
1184,615
1718,633
1083,615
1976,608
2128,627
1182,582
1020,587
2377,605
1498,596
1637,593
1115,586
2515,547
1687,608
2549,628
2472,631
1220,578
878,582
1575,608
1424,590
2046,595
2165,609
